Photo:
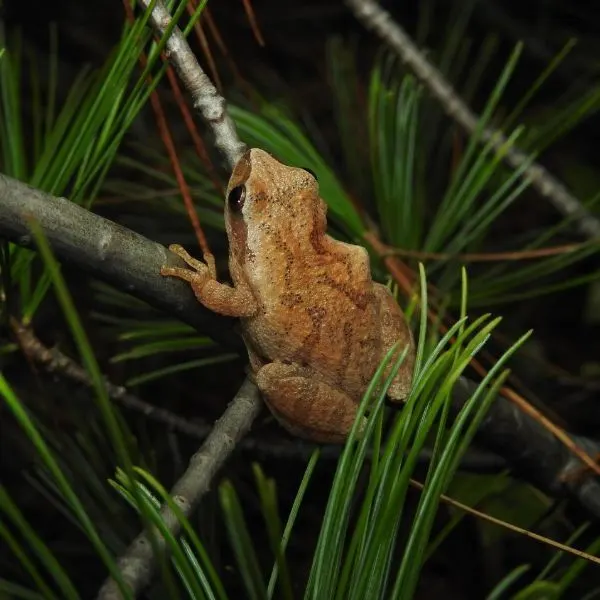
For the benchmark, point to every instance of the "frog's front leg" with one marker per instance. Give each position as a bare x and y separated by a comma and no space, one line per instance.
224,299
304,405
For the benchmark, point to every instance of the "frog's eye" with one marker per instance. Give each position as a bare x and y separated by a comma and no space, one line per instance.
310,171
236,198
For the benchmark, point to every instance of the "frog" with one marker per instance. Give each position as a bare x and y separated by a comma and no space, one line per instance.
315,324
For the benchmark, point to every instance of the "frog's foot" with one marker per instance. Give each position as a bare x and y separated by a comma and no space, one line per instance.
218,297
306,406
205,270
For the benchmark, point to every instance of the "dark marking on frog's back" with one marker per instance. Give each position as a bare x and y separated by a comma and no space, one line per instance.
290,299
360,299
345,364
317,315
316,236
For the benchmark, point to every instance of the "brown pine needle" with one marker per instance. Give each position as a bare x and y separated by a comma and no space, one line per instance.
165,134
488,256
253,22
167,138
190,125
511,527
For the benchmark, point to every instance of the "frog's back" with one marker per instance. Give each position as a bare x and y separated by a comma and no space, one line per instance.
324,315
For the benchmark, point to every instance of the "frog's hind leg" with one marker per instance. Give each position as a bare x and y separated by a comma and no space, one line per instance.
393,328
304,405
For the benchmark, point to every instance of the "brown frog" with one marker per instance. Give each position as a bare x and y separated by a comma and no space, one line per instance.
315,324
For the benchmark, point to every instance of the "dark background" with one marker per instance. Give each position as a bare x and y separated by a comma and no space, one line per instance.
292,67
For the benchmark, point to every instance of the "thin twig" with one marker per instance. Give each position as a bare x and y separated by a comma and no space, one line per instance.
381,22
284,448
205,97
54,361
137,564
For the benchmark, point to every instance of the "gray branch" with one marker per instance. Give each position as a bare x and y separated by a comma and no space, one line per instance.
137,563
205,97
381,22
115,254
534,453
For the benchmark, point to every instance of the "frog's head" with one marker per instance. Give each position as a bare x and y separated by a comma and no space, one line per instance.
266,198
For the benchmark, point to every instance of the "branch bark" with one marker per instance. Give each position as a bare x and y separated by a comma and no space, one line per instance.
205,97
108,251
54,361
380,21
532,452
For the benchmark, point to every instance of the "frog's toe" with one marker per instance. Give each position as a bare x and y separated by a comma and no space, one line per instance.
189,260
178,272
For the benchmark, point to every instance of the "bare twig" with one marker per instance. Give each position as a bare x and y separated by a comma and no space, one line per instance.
205,97
284,448
381,22
137,563
54,361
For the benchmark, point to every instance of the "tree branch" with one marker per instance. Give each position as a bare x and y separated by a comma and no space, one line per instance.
111,252
205,97
283,448
131,262
54,361
137,563
381,22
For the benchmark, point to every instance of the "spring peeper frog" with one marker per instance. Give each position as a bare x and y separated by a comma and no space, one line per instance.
315,324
